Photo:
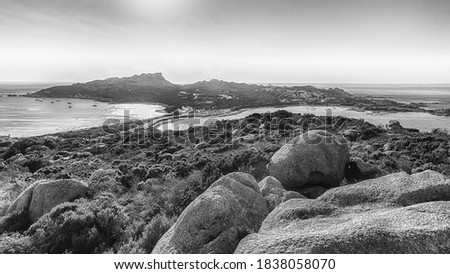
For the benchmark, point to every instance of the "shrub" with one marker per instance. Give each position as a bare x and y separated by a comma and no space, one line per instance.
131,247
15,243
186,191
182,168
157,170
141,238
34,164
21,146
15,222
82,227
12,151
155,230
104,180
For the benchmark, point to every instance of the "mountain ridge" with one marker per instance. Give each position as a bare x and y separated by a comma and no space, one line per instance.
211,94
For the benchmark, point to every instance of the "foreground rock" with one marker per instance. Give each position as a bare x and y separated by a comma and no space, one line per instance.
314,158
218,219
40,197
399,188
394,125
274,193
390,218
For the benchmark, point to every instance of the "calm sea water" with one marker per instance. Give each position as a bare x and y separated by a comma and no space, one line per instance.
21,117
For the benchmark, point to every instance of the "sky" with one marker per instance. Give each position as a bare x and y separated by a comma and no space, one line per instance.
253,41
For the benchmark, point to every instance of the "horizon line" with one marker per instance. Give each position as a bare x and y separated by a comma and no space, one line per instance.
249,83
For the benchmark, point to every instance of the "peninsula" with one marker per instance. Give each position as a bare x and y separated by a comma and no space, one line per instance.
218,94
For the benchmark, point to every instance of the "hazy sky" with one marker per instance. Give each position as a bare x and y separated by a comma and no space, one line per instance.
306,41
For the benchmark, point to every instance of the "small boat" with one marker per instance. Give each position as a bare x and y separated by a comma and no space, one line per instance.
70,106
94,106
69,103
52,102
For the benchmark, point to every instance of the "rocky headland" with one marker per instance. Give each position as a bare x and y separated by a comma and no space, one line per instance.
217,94
269,183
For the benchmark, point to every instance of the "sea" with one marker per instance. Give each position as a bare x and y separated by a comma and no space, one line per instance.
24,117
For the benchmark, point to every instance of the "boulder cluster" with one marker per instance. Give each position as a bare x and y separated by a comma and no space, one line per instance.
218,219
397,213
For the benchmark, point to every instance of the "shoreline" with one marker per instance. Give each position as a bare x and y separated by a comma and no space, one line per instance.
419,107
211,116
223,113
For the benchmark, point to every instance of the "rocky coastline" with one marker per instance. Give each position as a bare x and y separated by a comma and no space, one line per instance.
218,95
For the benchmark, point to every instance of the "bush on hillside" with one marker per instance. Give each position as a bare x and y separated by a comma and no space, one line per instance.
15,243
83,227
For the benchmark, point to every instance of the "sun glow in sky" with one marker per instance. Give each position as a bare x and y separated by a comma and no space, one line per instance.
320,41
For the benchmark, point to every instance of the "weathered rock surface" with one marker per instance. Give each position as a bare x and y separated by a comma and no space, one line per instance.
316,157
299,227
394,125
274,193
311,192
40,197
399,188
270,185
389,218
218,219
22,202
289,195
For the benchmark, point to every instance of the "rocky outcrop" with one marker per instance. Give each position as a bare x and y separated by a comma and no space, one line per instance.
274,193
315,158
398,188
289,195
311,192
394,125
22,202
392,214
40,197
270,185
218,219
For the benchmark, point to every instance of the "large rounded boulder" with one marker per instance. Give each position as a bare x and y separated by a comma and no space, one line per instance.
314,158
40,197
218,219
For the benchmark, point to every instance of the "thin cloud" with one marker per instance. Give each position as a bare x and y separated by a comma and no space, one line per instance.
252,40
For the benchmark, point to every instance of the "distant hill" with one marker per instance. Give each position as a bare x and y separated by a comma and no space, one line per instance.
138,88
212,94
219,85
145,79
